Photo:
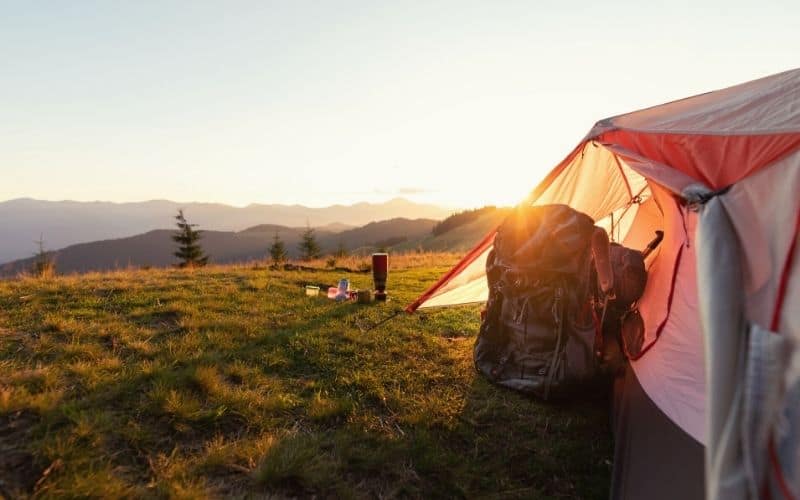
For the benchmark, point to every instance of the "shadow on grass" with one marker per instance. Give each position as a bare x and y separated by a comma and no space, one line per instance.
496,444
498,447
324,406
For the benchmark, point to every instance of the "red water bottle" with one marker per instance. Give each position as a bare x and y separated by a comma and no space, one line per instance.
380,271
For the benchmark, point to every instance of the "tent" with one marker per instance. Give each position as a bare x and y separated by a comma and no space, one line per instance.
719,173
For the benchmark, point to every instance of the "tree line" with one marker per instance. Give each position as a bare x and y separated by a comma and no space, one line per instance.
190,253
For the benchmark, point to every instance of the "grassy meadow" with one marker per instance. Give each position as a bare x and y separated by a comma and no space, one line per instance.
230,382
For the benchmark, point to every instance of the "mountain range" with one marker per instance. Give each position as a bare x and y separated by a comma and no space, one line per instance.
155,248
64,223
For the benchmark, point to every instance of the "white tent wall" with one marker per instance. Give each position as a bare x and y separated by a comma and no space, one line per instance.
647,219
467,288
738,109
668,217
596,182
753,373
763,209
671,371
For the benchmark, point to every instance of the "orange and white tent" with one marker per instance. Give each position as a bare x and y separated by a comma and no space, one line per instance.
719,173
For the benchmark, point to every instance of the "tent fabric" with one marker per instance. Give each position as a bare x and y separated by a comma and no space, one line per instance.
464,284
746,367
717,138
656,301
754,390
656,461
725,329
656,168
715,160
576,186
674,180
671,370
763,210
767,105
760,402
468,287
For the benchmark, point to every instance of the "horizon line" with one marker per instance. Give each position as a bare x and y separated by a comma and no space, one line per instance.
251,204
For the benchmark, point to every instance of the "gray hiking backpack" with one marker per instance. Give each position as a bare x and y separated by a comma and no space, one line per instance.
552,320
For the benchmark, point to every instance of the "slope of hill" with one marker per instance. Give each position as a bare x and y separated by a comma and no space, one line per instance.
462,218
155,248
226,383
388,233
461,238
64,223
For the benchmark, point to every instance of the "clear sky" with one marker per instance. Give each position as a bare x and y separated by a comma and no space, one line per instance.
318,102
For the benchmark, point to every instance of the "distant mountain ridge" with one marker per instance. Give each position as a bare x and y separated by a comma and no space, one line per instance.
65,223
457,233
155,248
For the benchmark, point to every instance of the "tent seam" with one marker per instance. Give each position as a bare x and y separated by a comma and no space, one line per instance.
784,283
721,133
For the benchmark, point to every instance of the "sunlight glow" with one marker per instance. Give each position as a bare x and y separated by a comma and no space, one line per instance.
293,102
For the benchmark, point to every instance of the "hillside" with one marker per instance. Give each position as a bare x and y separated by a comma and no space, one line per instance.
155,248
389,233
461,238
229,382
64,223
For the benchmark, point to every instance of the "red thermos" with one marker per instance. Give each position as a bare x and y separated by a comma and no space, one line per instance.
380,271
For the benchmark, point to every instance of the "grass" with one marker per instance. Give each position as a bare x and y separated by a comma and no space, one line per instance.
228,381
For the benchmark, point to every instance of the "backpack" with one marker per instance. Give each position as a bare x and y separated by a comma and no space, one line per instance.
550,321
621,323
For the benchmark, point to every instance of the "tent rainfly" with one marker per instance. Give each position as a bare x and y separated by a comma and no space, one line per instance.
719,173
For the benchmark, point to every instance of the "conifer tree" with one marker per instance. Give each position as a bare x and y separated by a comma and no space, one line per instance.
44,265
277,251
309,248
188,239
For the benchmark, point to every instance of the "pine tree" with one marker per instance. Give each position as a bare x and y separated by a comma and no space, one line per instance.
309,248
188,239
44,265
277,251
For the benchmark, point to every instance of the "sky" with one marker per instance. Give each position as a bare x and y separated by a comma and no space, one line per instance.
457,103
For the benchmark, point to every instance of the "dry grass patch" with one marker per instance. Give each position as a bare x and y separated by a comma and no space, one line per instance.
229,381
